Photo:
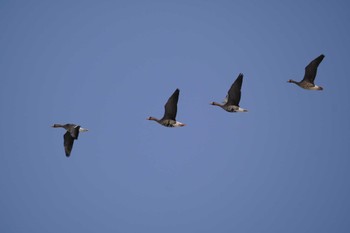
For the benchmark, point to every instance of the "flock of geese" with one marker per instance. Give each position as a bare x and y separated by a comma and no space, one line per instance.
230,104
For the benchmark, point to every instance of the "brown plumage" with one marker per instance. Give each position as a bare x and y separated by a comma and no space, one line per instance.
231,103
310,75
170,110
72,133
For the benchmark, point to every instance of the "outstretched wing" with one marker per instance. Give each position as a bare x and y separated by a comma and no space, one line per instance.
68,143
311,69
170,108
234,94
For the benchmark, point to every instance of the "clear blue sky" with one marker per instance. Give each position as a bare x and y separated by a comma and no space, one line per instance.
108,65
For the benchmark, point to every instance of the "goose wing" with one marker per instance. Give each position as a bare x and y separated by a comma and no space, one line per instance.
234,94
68,143
170,108
311,69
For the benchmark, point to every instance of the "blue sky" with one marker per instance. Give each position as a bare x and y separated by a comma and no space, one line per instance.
108,65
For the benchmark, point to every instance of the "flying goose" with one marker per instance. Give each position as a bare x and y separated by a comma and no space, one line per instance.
231,102
170,110
310,75
71,135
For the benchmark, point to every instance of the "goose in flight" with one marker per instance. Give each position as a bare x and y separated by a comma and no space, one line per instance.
72,133
170,110
310,75
233,97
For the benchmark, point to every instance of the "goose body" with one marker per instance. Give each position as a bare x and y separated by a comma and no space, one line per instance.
310,75
170,110
72,133
233,97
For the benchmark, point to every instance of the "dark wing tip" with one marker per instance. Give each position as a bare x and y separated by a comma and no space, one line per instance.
238,82
320,58
175,95
68,148
171,106
315,63
239,77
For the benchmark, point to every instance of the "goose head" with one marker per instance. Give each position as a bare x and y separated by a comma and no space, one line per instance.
214,103
152,118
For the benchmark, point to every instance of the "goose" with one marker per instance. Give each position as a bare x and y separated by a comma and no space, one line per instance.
231,102
170,110
310,75
72,133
